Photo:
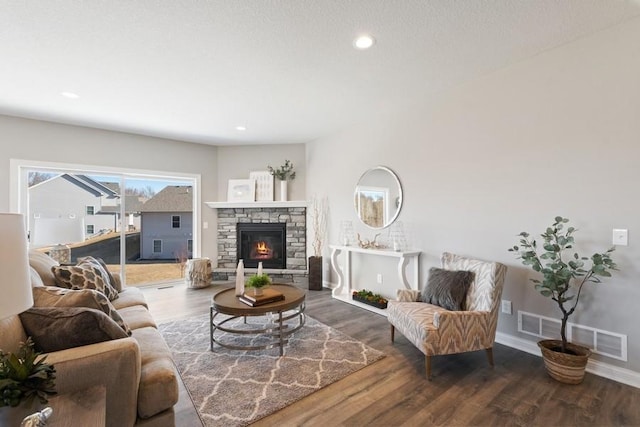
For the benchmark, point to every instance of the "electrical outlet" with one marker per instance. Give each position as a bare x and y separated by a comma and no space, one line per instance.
506,307
620,237
379,279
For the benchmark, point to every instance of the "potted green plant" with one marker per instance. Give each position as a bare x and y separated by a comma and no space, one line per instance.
257,282
284,173
563,278
368,297
26,380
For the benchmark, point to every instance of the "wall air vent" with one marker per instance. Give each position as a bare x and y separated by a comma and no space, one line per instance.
601,342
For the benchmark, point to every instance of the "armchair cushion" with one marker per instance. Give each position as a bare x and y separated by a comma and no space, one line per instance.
447,289
56,329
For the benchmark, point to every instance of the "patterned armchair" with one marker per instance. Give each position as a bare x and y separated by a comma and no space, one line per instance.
437,331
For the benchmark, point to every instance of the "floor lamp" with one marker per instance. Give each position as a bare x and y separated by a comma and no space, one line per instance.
16,290
14,265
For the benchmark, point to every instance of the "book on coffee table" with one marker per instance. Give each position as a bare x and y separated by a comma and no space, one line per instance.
268,296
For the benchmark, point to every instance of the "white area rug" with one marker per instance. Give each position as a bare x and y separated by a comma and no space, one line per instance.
235,388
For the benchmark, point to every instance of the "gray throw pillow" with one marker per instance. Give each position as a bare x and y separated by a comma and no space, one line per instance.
54,329
447,288
52,296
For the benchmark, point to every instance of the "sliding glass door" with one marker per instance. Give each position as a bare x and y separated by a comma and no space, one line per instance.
142,227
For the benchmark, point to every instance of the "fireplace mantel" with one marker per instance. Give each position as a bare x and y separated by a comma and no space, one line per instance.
249,205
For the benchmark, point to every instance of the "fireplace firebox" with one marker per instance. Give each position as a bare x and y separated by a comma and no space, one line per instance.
262,242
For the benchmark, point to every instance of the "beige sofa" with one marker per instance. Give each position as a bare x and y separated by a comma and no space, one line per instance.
138,372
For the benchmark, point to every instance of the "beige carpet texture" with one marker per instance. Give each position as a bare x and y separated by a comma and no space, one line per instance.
236,387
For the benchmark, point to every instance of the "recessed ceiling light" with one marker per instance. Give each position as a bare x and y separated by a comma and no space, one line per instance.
70,95
364,41
241,128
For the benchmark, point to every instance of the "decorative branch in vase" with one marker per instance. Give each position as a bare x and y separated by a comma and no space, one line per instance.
284,173
318,213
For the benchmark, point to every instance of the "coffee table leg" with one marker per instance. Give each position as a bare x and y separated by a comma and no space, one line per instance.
281,333
211,329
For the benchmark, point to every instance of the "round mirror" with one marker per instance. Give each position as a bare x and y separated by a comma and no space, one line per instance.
378,197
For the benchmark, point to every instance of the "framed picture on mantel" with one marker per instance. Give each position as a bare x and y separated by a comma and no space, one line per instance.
264,185
241,190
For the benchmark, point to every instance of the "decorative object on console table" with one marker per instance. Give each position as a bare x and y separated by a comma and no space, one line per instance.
562,281
241,190
347,236
258,282
318,214
370,244
284,173
264,185
368,297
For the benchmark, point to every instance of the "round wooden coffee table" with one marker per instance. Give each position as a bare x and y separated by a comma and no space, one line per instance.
226,302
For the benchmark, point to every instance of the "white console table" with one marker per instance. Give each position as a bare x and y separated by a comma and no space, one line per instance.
344,288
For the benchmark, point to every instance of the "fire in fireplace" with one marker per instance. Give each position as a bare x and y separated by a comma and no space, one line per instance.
260,242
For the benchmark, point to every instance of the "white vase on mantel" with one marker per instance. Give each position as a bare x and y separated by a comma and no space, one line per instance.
283,190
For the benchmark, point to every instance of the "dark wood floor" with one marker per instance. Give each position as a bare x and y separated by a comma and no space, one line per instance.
464,391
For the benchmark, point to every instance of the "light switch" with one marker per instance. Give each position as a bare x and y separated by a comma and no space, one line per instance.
620,237
205,225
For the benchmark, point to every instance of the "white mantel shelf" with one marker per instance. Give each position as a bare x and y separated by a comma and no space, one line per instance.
245,205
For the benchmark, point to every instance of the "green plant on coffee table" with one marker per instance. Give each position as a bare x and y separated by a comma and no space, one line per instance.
24,376
370,296
284,172
258,281
562,280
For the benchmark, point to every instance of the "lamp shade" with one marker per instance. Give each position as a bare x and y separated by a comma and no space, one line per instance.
15,280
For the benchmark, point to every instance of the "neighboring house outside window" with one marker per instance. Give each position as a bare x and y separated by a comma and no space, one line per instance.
90,210
190,245
90,229
175,221
157,246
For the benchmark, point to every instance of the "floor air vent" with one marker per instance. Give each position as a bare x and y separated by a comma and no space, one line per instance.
599,341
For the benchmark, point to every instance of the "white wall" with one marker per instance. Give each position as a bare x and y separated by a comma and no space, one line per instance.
43,141
236,162
555,135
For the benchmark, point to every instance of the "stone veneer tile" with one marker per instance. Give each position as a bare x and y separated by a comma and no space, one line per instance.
295,218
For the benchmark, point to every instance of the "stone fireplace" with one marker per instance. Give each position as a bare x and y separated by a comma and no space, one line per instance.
282,231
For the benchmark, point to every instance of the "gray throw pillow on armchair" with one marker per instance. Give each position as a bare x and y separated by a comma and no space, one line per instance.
447,288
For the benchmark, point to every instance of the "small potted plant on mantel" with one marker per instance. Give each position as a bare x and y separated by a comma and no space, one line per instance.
284,173
562,281
258,282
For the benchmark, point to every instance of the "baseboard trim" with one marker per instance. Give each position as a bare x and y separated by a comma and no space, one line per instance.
596,367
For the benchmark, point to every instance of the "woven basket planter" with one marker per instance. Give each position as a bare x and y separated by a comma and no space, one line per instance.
563,367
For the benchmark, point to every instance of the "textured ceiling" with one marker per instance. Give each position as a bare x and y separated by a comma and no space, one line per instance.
193,70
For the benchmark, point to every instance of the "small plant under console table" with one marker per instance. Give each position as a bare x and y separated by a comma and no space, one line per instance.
345,288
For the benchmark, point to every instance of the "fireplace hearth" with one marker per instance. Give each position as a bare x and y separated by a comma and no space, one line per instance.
262,242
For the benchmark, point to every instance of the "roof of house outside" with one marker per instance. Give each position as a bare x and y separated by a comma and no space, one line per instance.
90,185
172,198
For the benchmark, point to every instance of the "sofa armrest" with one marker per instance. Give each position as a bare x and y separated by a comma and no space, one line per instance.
114,364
